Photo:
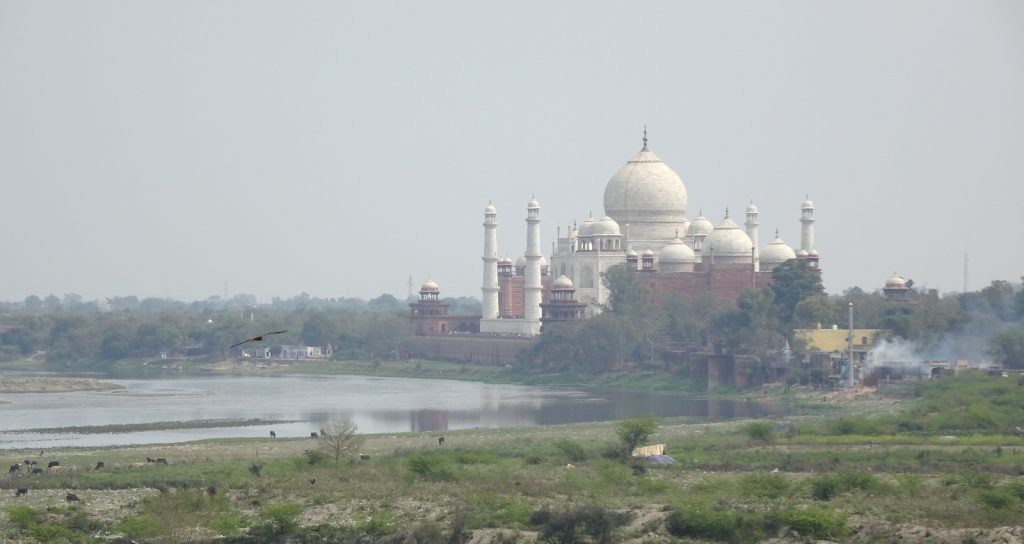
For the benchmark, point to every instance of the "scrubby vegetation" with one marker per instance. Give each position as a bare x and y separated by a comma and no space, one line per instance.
730,483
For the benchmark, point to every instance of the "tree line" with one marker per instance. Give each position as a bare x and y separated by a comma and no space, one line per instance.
71,332
635,330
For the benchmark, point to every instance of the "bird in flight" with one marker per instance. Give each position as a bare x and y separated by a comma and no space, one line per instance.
256,338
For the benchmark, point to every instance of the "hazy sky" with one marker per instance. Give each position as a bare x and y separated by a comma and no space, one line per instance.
336,148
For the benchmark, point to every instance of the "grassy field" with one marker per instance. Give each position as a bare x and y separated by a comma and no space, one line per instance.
947,467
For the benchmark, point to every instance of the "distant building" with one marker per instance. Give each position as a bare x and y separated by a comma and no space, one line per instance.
828,349
295,353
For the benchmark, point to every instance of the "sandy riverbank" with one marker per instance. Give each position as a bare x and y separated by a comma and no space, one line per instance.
52,384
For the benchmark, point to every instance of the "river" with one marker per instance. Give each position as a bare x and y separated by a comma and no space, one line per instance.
376,405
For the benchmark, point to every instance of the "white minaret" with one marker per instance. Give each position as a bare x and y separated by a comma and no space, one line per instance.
532,288
807,227
490,287
752,233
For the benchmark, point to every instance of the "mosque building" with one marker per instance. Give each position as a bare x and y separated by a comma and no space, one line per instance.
645,226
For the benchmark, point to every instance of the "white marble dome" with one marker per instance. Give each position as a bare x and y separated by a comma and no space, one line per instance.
676,252
645,193
606,227
429,286
490,210
587,227
700,227
728,240
777,252
563,282
807,205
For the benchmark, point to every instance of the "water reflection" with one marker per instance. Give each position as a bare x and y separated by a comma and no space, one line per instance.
376,405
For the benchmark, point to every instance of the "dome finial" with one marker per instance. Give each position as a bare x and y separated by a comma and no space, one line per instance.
645,137
727,211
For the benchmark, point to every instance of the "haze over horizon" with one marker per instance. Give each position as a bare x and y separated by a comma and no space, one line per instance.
167,148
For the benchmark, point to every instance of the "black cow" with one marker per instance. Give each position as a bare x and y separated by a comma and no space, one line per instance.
273,434
440,441
53,464
37,470
364,456
161,461
314,435
14,468
29,462
99,465
150,460
71,497
21,491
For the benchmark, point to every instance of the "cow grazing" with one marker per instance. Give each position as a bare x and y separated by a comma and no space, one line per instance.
99,465
71,497
273,434
161,461
150,460
29,462
52,464
314,435
255,469
21,491
440,441
364,456
14,468
36,471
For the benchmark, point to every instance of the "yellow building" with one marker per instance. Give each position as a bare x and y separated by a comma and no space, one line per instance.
827,348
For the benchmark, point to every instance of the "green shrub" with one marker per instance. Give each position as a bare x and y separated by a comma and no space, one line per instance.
632,432
814,522
572,450
997,500
701,524
315,457
431,466
569,526
1015,487
859,480
769,486
277,520
761,431
23,517
824,487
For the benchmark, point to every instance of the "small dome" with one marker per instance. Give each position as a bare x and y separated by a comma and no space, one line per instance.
489,210
751,208
728,240
606,227
505,260
521,261
587,227
543,261
676,252
563,282
801,253
777,252
813,253
648,253
896,282
429,286
632,253
701,227
807,205
533,204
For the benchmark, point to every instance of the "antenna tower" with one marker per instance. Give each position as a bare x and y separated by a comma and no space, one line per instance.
410,287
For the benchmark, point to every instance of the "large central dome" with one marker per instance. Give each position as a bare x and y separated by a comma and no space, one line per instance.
649,196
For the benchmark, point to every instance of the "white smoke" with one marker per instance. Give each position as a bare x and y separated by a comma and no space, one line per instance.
898,355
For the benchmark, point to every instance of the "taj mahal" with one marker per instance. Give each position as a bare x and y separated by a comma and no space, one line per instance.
644,226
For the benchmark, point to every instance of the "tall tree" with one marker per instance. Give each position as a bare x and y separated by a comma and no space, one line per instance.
792,282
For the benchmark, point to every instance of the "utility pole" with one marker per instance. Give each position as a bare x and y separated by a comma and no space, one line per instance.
849,345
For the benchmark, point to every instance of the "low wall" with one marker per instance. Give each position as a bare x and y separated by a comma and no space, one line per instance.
470,348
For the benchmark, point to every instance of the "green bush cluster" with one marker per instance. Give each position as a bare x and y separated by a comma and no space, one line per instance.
743,526
572,450
432,467
571,525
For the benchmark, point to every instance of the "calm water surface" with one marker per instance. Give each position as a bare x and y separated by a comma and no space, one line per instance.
377,405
